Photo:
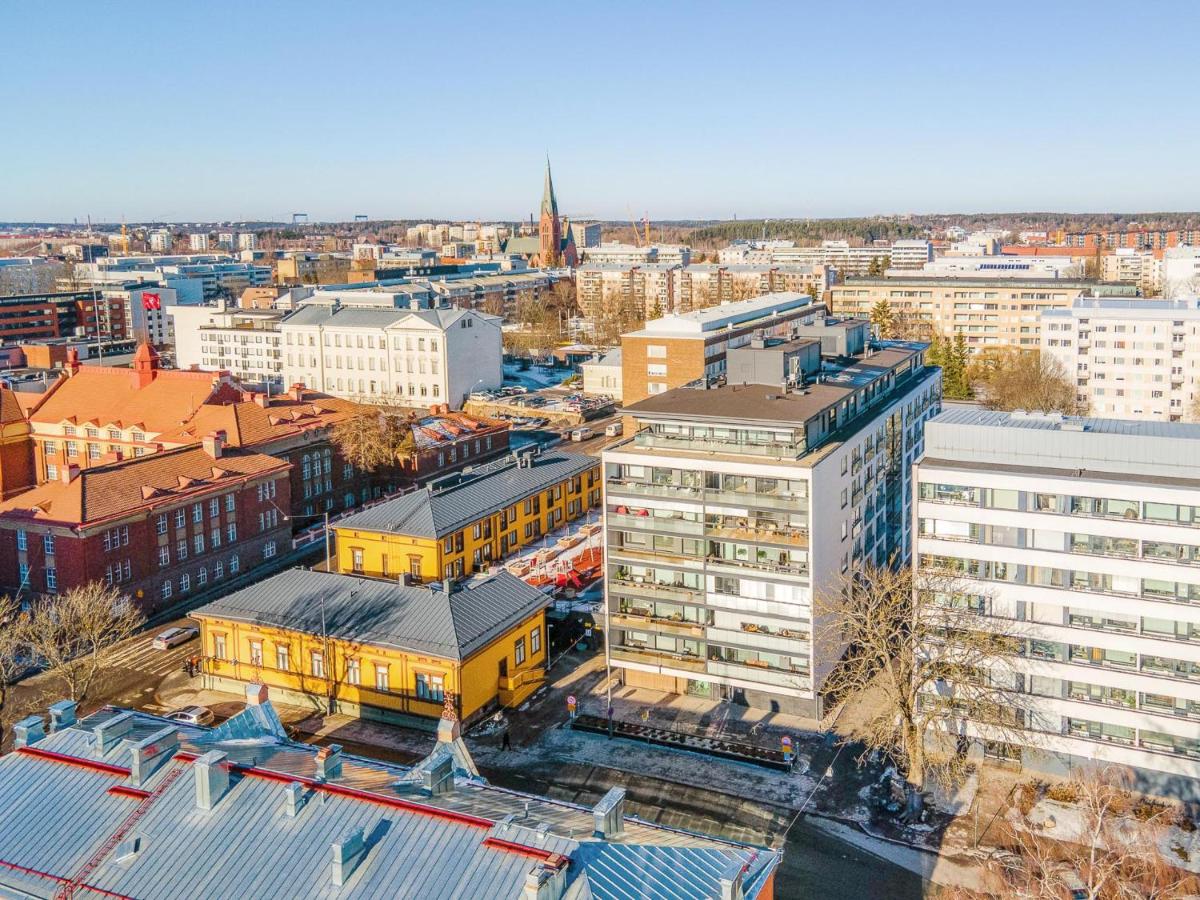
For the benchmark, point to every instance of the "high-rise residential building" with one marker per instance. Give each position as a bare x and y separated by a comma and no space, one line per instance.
247,240
1079,538
198,242
160,241
616,253
587,234
395,345
987,312
671,351
1141,267
1181,272
910,254
732,506
1129,359
225,240
245,342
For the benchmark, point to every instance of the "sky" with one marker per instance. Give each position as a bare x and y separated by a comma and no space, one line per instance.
255,110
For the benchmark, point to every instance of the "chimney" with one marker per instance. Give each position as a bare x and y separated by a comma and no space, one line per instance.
297,392
214,444
329,762
28,731
73,363
68,473
608,816
547,880
108,734
731,880
256,694
347,854
212,778
438,777
148,754
62,715
293,799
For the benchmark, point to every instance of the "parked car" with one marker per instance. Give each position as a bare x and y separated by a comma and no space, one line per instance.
173,637
582,433
192,715
614,429
481,396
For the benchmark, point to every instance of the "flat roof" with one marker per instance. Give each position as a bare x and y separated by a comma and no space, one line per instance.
713,318
1129,308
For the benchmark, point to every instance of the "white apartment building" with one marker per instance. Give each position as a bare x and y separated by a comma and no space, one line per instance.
406,352
1181,272
603,375
1130,359
1081,539
733,506
995,266
614,252
247,240
225,240
911,254
198,243
245,342
160,241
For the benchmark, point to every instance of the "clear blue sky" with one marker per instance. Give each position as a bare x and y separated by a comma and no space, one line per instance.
205,111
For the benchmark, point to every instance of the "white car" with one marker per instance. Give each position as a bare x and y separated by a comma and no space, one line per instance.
192,715
614,429
581,434
173,637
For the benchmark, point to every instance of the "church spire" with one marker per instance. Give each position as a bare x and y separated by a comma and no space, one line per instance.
549,203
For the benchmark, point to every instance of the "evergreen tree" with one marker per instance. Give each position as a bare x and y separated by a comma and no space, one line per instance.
883,319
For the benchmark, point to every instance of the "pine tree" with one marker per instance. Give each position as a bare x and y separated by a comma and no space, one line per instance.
882,319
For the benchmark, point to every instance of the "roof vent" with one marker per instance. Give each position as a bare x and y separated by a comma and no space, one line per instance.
212,778
150,753
108,734
347,854
28,731
609,814
329,762
547,880
62,715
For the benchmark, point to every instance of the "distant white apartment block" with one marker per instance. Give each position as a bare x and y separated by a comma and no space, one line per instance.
997,266
246,342
247,240
381,346
586,234
160,241
1129,359
198,243
1181,272
911,254
1079,538
630,254
1140,267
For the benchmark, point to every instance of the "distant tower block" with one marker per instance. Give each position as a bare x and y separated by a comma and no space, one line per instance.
299,218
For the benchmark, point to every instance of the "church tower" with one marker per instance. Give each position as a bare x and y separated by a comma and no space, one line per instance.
550,225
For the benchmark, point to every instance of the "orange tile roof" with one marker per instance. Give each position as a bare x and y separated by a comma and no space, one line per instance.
246,424
107,395
11,409
121,488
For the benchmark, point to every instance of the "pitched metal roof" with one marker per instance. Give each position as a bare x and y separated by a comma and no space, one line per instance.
471,841
382,613
433,513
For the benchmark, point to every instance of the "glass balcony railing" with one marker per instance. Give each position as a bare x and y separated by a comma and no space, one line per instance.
774,450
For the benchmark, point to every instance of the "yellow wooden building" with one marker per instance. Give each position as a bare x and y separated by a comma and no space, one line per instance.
379,649
458,527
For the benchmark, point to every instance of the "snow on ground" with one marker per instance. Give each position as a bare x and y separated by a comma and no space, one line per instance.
924,863
535,378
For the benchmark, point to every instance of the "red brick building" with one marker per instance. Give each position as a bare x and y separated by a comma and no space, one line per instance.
16,447
159,527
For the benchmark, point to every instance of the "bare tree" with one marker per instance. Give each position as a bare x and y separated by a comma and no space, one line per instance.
72,633
13,655
1110,849
375,437
1025,379
920,662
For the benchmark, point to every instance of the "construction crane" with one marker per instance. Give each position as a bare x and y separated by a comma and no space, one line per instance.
634,224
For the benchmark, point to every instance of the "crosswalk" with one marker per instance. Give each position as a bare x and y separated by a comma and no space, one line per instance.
137,654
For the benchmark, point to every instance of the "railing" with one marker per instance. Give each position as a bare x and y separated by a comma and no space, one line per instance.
789,537
517,686
657,623
764,565
774,450
647,489
660,658
654,589
658,524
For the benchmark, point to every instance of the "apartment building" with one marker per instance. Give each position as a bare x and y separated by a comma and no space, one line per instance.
1141,267
394,345
65,314
159,527
1136,239
245,342
676,349
839,255
910,254
462,524
617,253
198,243
1129,359
196,278
735,505
160,241
247,240
988,312
1078,537
586,234
1181,272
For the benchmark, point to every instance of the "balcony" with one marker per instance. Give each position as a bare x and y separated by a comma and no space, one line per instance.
646,489
799,679
656,590
748,500
794,569
789,537
515,688
657,524
646,622
666,660
646,554
773,450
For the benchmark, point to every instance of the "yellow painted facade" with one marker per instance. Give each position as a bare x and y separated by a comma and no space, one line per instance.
469,549
504,673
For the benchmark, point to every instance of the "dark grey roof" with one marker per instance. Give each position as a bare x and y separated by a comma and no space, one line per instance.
385,613
418,845
434,513
1038,421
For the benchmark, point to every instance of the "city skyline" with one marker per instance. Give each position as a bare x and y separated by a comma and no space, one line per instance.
777,113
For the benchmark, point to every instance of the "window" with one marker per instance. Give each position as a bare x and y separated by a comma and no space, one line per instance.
353,671
164,557
202,575
160,524
185,583
431,687
316,663
72,448
214,538
231,532
197,512
48,544
535,640
198,544
52,472
218,569
356,559
181,549
519,650
268,549
214,506
180,518
381,677
23,573
52,579
219,646
281,657
235,564
22,540
256,654
166,589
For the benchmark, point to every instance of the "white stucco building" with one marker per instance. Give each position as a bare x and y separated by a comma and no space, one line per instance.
1081,539
246,342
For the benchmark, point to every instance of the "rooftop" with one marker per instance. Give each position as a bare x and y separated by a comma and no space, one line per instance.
714,318
262,419
440,510
1122,308
1023,284
379,613
148,808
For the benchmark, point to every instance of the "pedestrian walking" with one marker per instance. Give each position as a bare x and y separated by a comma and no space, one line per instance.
506,740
